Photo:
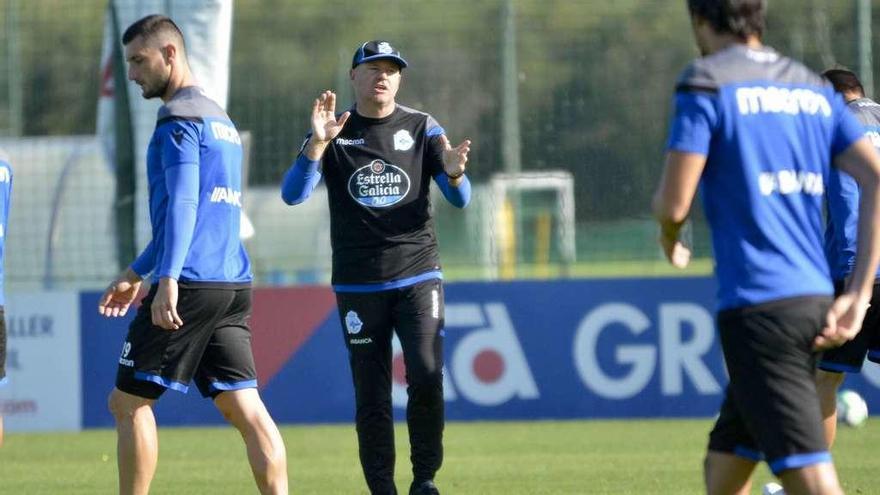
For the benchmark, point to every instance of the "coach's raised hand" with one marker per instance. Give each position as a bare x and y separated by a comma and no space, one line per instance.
325,125
455,159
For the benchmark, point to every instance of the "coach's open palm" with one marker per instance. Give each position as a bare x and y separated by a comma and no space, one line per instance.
843,322
325,125
454,159
119,295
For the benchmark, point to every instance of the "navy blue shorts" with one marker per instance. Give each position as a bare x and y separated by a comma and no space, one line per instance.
771,409
213,346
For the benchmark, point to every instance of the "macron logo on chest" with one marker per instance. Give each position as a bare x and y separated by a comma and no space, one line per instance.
351,142
226,195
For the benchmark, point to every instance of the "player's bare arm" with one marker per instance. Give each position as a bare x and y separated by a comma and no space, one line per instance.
455,159
120,294
325,125
846,314
672,202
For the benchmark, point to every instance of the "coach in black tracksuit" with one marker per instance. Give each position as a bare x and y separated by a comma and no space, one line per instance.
378,160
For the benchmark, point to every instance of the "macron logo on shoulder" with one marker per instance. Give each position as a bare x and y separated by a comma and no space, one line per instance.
226,195
225,132
5,175
771,99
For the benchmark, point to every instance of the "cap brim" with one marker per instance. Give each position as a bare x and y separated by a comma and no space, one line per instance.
398,60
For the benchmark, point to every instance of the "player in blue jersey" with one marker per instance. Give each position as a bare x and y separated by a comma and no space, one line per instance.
193,322
840,246
5,198
378,160
759,132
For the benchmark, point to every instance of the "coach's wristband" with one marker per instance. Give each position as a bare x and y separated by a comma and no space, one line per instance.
454,177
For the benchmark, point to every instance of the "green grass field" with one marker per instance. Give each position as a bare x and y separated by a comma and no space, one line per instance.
545,457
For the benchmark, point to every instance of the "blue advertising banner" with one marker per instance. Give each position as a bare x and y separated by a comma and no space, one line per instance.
603,348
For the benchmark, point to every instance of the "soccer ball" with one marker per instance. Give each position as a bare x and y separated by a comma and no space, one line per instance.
851,408
772,489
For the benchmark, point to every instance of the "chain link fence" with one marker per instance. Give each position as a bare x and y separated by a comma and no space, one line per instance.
578,86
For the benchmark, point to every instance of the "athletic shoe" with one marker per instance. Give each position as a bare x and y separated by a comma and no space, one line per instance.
426,487
772,489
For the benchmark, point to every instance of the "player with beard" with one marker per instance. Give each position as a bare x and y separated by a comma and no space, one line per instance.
193,322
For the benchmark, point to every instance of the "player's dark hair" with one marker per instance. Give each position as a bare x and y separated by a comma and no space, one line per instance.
844,81
741,18
151,26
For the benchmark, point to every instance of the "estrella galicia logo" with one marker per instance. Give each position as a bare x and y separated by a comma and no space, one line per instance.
353,322
378,185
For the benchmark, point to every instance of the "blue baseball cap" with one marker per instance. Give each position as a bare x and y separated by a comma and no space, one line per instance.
377,50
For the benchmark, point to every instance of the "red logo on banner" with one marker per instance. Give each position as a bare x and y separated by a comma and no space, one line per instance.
282,321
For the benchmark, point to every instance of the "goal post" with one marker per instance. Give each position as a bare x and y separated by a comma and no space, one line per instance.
505,229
